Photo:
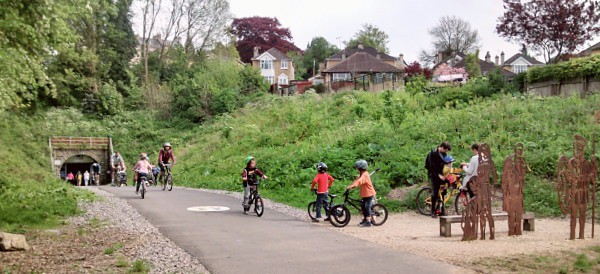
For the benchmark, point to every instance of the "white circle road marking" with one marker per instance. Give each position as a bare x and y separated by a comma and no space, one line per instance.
207,208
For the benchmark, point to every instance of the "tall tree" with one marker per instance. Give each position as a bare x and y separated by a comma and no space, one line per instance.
552,27
118,43
451,34
472,64
263,32
371,36
316,52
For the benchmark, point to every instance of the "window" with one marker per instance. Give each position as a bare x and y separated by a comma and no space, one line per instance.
270,79
266,64
284,64
519,68
342,77
283,80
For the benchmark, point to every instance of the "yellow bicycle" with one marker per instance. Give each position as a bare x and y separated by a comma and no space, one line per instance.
455,195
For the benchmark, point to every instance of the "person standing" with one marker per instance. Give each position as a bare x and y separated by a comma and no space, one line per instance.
434,163
86,178
470,170
116,164
79,178
71,178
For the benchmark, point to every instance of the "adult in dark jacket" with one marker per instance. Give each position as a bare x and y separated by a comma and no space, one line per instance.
434,164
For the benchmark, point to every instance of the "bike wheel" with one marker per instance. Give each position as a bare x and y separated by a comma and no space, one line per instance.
460,202
379,214
340,216
424,201
312,210
143,190
259,207
164,182
169,181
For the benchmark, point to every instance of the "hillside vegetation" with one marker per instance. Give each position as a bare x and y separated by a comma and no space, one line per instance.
393,131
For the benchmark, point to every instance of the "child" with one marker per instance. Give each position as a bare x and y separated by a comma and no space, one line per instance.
323,181
449,172
250,180
142,168
367,191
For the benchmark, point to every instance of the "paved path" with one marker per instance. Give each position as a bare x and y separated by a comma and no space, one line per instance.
230,242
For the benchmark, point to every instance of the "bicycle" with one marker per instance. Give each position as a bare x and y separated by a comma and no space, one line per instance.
460,198
121,177
255,199
143,185
312,206
167,178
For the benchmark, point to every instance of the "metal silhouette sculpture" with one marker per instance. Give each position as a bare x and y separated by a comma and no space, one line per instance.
577,185
513,178
480,207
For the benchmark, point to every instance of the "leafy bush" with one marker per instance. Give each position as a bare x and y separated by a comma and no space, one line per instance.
110,100
416,84
572,69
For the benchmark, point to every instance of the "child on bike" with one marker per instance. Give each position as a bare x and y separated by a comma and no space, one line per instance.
142,169
323,181
449,172
367,191
250,179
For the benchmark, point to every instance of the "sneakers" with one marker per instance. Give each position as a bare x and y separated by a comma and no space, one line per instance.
365,224
315,220
327,219
433,215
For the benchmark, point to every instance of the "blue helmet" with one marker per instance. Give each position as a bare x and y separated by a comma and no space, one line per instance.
448,159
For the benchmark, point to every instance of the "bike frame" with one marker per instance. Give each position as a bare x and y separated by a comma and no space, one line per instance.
328,204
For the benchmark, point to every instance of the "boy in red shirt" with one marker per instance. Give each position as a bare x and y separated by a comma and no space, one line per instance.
323,181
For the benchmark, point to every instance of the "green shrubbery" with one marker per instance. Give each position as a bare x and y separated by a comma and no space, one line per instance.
573,69
290,135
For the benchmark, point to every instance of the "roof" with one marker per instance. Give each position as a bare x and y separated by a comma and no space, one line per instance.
370,50
445,60
486,67
589,50
362,62
529,59
278,55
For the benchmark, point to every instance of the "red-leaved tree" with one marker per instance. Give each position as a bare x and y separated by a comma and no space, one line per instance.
552,27
415,69
263,32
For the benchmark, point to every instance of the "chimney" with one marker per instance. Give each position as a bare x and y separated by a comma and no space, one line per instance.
488,57
440,57
378,56
502,58
497,60
256,51
401,60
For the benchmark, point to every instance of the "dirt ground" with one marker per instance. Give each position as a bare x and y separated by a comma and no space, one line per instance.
419,234
71,249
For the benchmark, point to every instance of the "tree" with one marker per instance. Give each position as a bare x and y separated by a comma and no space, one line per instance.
370,36
414,69
551,27
316,52
472,64
118,44
451,34
262,32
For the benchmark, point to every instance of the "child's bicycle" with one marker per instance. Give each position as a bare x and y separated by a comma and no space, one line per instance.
255,199
143,185
456,196
312,206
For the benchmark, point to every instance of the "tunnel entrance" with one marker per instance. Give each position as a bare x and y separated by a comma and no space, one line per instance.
77,154
77,163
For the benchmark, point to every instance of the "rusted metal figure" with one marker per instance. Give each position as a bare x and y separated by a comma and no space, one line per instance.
577,184
513,178
480,206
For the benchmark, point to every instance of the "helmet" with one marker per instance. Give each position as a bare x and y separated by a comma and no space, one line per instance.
248,159
322,167
361,164
143,156
167,144
448,159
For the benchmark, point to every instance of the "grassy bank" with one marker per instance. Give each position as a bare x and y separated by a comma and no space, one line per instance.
393,132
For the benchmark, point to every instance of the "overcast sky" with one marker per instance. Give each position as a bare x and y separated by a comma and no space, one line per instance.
405,21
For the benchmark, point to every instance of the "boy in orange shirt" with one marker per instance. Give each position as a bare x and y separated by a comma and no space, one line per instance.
323,181
367,191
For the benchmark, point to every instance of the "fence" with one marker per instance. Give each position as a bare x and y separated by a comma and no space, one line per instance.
581,86
78,142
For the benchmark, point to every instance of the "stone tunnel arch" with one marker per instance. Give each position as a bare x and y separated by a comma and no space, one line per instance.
75,153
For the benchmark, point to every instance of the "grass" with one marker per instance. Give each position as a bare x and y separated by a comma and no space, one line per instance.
112,249
122,263
139,266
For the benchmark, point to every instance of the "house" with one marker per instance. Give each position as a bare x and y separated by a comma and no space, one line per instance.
458,60
519,62
154,43
362,68
274,65
591,51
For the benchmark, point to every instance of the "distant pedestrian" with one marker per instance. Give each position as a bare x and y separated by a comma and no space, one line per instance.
63,175
79,178
71,178
86,178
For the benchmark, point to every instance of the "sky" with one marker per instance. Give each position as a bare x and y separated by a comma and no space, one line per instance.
405,21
